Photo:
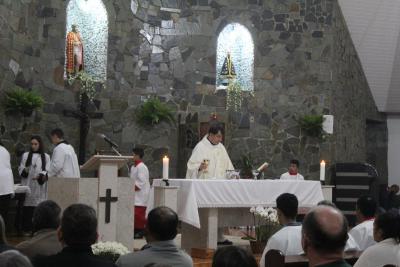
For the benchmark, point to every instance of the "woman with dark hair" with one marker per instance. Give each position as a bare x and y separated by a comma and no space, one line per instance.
33,168
6,182
232,256
3,240
387,234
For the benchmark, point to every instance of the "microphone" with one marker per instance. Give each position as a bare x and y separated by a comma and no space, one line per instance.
108,140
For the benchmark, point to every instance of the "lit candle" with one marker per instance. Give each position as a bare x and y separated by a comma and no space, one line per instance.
165,169
322,171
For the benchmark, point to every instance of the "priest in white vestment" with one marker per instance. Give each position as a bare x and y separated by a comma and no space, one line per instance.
288,239
6,182
363,233
209,160
64,162
293,173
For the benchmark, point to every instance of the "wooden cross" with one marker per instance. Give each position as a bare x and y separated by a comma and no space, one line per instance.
84,116
108,199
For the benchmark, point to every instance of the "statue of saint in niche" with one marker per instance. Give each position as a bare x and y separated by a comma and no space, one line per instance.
74,52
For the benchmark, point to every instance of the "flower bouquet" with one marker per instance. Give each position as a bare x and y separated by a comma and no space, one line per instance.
109,250
266,224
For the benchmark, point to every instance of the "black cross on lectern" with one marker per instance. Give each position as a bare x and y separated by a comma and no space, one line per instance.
108,199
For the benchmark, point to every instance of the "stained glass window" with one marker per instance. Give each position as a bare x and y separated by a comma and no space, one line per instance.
236,40
90,17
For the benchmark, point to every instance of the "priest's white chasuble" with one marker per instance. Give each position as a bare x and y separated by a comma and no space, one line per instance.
218,158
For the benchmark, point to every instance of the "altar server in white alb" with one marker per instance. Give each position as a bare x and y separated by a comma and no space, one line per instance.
140,173
32,169
64,162
6,182
293,173
209,159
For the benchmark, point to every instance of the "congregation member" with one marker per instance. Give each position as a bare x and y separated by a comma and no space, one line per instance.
140,173
32,169
387,234
64,162
6,182
293,172
78,231
288,239
3,239
161,230
46,220
13,258
324,236
362,233
210,160
232,256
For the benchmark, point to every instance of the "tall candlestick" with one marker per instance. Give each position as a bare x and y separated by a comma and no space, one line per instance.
322,171
165,169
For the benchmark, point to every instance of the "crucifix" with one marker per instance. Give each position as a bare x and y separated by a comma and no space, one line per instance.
84,116
108,199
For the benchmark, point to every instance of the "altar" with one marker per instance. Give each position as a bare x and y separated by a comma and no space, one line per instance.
205,205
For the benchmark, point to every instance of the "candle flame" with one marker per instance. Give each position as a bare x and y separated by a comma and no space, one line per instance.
323,162
165,157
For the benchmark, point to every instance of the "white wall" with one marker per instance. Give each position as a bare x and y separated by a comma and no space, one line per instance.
394,149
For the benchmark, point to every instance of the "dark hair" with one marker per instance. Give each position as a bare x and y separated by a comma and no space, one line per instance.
367,206
232,256
215,128
288,204
40,151
79,225
322,240
57,132
46,216
3,238
389,224
295,161
162,222
139,152
326,203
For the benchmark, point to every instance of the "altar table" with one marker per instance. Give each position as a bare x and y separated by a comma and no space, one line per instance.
205,205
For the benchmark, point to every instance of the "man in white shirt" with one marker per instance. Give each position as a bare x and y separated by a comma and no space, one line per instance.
293,173
140,173
209,160
363,233
64,162
288,239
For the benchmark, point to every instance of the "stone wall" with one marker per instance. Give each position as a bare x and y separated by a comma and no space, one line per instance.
305,63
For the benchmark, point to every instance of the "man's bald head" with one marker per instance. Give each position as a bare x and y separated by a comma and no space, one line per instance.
325,229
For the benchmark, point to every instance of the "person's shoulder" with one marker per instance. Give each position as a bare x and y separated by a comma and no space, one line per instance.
132,259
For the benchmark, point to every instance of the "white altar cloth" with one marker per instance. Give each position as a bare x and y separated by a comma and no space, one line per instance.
194,194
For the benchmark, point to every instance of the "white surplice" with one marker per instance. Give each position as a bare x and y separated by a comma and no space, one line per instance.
288,176
141,175
38,192
363,234
64,162
219,161
6,175
351,244
287,240
380,254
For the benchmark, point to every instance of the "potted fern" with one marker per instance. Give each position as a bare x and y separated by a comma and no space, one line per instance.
153,112
311,125
18,100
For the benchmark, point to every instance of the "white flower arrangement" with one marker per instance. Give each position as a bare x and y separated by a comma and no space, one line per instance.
109,250
265,221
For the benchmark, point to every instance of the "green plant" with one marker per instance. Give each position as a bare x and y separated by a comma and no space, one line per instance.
153,111
246,170
87,84
312,125
23,101
234,96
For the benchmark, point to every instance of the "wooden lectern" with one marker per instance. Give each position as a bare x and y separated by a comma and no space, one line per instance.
111,196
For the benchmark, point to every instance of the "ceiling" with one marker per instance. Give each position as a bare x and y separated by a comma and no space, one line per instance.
375,29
